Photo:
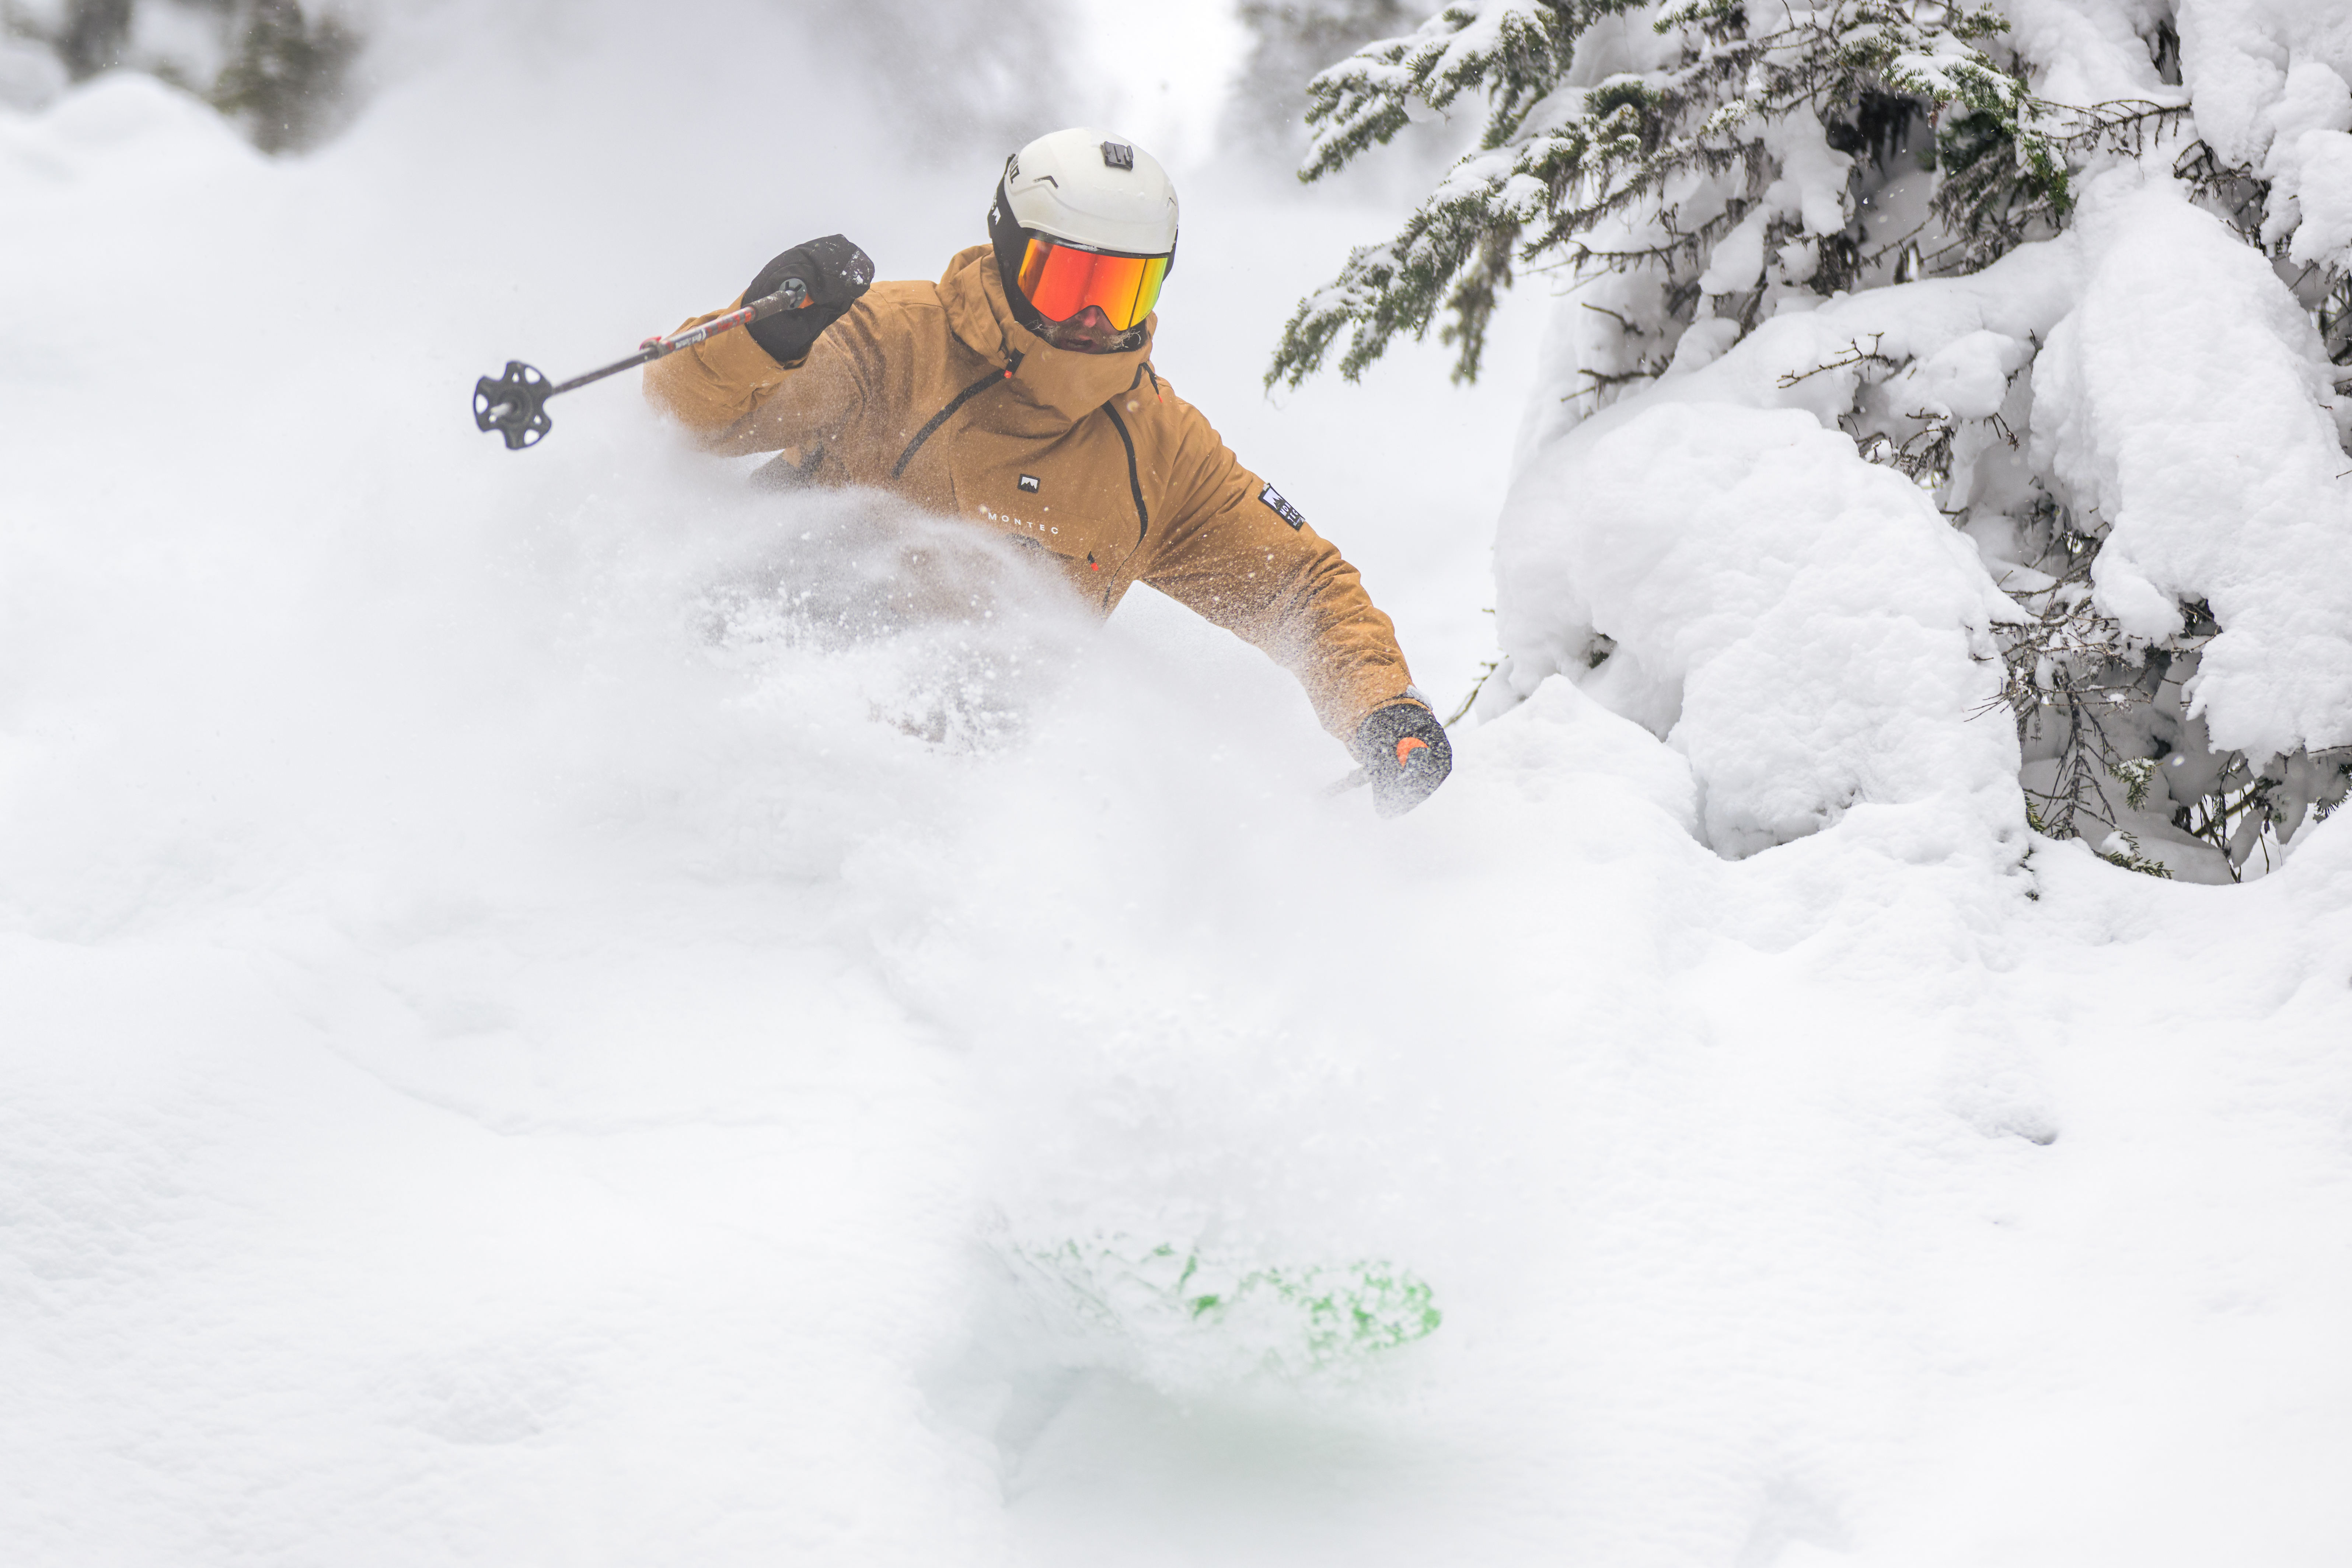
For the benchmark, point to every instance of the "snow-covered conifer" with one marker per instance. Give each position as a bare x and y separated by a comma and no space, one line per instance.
1603,147
2136,418
279,68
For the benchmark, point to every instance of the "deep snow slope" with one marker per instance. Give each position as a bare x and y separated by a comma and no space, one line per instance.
515,1047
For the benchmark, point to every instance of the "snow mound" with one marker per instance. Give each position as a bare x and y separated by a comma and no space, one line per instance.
1561,750
123,117
1798,622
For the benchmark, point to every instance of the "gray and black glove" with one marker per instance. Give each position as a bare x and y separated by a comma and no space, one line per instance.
1404,754
836,273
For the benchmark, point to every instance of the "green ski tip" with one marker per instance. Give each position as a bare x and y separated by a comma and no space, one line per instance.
1310,1316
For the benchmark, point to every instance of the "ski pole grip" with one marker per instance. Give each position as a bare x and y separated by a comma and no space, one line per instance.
792,296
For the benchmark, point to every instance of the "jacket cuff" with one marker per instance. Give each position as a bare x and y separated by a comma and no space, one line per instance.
737,359
1364,701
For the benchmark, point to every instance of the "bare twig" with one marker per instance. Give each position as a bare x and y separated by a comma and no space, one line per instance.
1855,354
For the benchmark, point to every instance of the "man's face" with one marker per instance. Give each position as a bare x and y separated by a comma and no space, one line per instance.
1088,333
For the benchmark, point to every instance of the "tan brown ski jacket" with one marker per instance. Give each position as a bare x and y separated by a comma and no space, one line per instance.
935,391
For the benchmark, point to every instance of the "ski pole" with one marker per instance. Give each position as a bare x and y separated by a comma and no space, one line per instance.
515,405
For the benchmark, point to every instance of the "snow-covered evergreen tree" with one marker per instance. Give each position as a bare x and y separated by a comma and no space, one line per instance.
2136,418
279,67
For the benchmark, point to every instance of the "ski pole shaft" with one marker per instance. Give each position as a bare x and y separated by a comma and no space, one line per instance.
791,297
514,405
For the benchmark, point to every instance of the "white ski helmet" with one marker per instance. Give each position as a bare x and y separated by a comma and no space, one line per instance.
1092,189
1087,191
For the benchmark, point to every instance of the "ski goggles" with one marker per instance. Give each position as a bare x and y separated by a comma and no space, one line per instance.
1061,279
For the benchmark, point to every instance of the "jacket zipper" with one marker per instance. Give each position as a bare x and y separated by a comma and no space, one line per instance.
944,414
1134,483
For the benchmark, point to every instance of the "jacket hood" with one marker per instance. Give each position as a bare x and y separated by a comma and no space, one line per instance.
1071,385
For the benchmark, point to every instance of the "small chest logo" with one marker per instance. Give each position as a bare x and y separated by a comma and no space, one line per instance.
1030,483
1281,508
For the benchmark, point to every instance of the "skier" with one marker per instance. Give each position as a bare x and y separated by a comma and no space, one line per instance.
1018,391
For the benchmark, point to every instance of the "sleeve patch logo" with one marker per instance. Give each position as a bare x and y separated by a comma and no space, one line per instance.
1030,483
1281,508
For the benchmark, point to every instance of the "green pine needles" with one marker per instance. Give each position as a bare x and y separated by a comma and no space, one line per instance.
1584,165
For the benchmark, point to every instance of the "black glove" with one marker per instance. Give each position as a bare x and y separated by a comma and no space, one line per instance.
836,273
1403,750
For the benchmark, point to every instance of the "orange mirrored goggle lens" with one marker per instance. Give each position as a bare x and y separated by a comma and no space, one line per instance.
1062,280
